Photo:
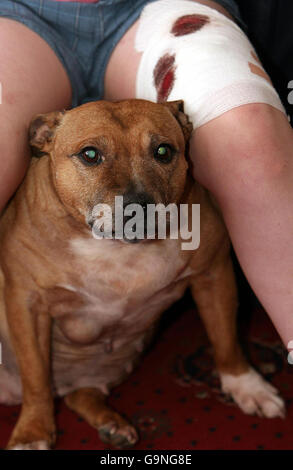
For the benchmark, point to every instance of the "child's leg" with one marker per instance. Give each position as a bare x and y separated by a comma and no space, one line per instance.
33,81
245,158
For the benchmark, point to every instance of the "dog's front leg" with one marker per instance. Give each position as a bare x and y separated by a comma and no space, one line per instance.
30,334
215,294
113,429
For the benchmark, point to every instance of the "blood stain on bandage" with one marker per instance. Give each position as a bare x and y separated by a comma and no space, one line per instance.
189,24
164,76
258,70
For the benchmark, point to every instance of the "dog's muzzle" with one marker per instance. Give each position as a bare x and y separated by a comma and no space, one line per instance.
127,220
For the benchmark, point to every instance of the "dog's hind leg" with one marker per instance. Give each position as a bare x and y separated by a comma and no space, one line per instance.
113,429
215,294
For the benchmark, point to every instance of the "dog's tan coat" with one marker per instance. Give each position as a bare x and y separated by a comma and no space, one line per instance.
76,312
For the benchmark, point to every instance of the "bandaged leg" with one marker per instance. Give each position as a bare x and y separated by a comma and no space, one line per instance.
193,52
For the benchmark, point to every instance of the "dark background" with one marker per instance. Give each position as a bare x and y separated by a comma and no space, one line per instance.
270,28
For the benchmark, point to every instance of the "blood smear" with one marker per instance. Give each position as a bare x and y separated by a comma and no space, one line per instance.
189,24
164,76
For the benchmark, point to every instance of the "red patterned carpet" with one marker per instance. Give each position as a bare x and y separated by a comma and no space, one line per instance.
174,399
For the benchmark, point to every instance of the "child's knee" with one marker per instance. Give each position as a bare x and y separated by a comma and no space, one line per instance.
246,149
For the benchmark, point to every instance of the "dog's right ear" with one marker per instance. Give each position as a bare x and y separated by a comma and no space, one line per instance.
42,130
177,109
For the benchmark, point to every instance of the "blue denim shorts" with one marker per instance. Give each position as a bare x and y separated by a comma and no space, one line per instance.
83,35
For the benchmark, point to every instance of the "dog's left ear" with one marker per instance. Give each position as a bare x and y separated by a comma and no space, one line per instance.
177,109
42,130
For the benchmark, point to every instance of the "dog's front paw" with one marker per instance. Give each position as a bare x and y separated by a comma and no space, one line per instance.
253,394
37,445
119,433
33,431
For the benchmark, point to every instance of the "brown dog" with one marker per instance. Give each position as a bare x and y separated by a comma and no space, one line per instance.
76,312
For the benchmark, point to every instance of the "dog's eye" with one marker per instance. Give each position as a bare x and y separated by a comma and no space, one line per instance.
164,153
90,155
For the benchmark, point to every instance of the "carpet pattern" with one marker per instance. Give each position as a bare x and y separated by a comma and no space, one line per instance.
174,398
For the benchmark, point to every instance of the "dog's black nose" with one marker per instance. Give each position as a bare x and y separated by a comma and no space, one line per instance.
140,198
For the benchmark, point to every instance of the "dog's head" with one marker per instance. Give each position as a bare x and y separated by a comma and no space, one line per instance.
135,149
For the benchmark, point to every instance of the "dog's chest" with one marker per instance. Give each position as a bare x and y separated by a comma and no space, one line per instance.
119,289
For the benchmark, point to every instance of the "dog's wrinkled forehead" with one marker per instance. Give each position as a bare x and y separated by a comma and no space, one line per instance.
129,119
120,119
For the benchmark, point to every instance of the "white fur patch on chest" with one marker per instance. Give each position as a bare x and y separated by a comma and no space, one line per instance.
147,267
123,277
123,287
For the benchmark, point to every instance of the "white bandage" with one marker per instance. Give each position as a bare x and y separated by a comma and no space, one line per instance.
193,52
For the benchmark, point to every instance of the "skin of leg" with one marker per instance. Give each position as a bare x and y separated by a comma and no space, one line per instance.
251,175
245,158
33,81
90,404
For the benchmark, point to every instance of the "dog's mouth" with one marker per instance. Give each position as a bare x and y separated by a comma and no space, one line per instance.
140,232
134,223
127,236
